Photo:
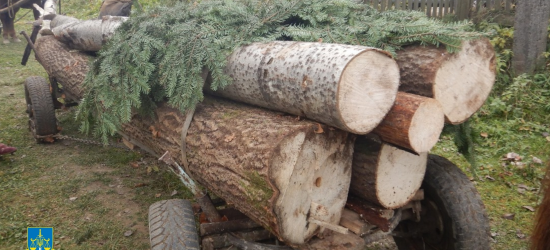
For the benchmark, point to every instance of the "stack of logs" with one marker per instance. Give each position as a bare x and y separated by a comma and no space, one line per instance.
284,150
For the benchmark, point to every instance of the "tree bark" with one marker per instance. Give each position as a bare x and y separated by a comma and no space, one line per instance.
348,87
385,175
530,35
270,166
89,35
414,122
68,67
461,82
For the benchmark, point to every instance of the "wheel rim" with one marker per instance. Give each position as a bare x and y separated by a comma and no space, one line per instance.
431,232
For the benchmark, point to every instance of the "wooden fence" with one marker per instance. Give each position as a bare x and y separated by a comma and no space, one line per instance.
438,8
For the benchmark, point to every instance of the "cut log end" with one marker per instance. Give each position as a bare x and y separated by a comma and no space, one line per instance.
426,126
365,94
464,81
385,175
304,172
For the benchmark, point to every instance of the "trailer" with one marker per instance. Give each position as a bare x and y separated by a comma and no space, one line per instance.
444,212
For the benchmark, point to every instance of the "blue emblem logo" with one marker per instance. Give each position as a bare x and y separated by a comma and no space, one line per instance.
40,238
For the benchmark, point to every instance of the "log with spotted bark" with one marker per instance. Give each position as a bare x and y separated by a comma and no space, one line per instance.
275,169
348,87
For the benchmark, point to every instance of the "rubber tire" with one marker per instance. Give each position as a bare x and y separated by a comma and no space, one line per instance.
465,222
172,225
40,106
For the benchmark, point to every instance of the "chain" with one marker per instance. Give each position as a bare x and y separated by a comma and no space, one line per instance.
89,142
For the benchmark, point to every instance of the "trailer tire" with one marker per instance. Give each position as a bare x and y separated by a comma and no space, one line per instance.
42,121
454,216
172,225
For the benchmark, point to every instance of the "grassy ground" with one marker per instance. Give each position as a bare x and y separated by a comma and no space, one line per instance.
92,195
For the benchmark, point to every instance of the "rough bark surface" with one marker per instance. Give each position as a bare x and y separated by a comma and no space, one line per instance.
414,122
68,67
89,35
385,175
461,82
270,166
349,87
530,34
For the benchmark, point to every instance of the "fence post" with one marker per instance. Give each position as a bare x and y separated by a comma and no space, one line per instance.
530,35
463,9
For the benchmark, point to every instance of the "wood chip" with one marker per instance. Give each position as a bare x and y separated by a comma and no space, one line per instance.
319,129
174,193
73,198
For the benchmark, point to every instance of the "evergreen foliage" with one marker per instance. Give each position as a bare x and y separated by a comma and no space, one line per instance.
160,55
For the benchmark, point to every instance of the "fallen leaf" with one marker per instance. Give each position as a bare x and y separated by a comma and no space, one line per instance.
512,157
537,160
229,138
521,191
127,210
297,118
523,186
545,134
508,216
134,164
73,198
530,208
128,233
484,135
319,129
548,138
489,178
156,168
158,195
141,185
494,234
224,218
520,234
149,170
174,193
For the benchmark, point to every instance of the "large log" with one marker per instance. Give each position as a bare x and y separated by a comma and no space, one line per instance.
349,87
68,67
385,175
88,35
461,82
414,122
278,171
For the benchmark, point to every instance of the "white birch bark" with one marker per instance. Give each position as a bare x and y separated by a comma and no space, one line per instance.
88,35
348,87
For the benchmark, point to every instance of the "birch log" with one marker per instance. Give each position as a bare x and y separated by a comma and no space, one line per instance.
348,87
89,35
270,166
385,175
414,122
461,82
68,67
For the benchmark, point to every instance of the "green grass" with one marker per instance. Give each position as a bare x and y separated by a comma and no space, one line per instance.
37,182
